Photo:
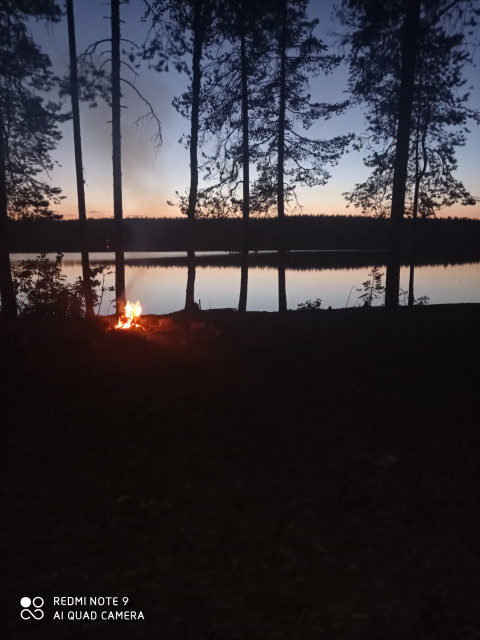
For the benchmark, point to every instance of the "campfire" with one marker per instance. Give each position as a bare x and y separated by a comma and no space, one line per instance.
131,316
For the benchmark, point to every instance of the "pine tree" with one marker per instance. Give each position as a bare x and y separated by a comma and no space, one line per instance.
28,127
96,81
171,20
289,156
406,63
258,105
77,138
229,96
120,295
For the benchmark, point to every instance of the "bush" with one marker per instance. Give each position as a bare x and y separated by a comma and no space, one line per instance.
310,305
43,291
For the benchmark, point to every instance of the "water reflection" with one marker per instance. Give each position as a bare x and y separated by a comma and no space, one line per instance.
190,304
87,284
282,282
159,280
120,286
242,300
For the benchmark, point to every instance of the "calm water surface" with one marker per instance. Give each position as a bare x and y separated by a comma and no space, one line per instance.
161,288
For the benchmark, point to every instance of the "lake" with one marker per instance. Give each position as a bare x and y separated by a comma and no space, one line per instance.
158,280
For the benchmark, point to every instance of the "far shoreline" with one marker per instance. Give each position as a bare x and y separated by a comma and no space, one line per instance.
302,233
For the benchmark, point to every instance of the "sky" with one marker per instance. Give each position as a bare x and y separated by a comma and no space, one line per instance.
151,175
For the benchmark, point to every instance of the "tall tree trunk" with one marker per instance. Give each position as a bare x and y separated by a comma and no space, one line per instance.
407,82
419,174
411,277
7,292
418,177
197,27
242,304
117,161
282,294
77,142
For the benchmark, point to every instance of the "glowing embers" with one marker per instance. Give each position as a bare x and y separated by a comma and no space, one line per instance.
131,316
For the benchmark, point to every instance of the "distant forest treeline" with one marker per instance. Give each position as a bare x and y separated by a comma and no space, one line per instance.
302,232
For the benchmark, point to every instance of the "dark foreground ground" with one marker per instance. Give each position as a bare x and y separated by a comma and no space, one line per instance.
269,477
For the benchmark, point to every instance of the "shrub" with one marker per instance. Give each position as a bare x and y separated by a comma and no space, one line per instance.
43,291
310,305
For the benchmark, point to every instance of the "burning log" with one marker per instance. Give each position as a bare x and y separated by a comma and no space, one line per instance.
131,317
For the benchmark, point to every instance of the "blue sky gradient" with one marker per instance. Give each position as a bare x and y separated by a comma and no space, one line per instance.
150,176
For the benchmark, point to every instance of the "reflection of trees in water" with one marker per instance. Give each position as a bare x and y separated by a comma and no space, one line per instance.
120,294
242,301
411,284
282,289
223,281
298,261
87,285
190,304
309,261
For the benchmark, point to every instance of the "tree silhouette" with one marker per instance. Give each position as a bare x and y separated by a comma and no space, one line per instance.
117,161
77,140
171,20
245,72
198,26
406,64
252,112
229,96
96,81
289,156
28,127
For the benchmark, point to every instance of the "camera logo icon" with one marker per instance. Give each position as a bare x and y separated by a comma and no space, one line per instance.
32,608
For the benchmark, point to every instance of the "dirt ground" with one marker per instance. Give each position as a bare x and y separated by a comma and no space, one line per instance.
300,476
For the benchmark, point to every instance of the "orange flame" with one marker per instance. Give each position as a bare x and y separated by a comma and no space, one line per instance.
131,316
